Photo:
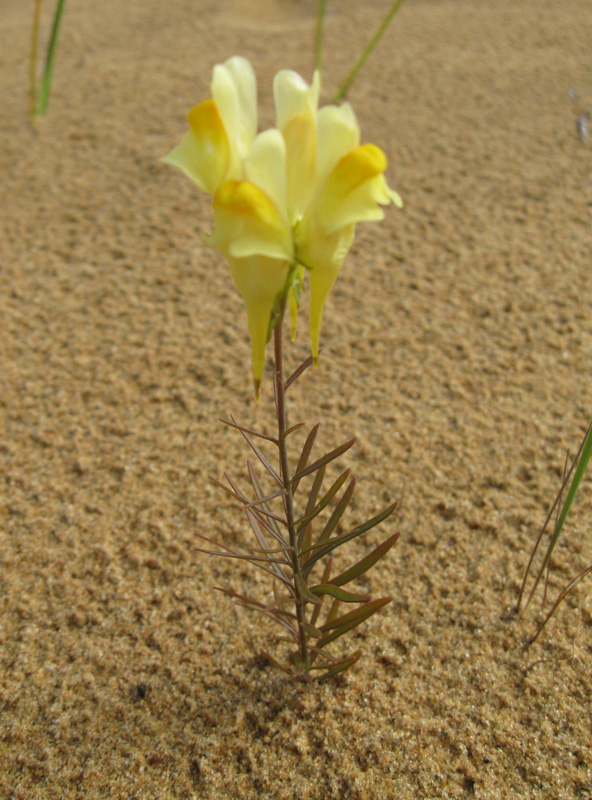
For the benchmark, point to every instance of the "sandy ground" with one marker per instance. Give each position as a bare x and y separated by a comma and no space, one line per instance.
457,345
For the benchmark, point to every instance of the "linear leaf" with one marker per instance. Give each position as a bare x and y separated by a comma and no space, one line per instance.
339,594
304,591
273,562
324,579
274,662
299,370
242,429
321,550
333,611
341,666
261,500
365,563
333,630
264,507
328,457
228,491
338,512
293,428
325,500
230,553
305,455
260,455
315,489
312,631
241,600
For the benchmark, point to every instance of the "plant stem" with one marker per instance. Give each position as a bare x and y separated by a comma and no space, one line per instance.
282,418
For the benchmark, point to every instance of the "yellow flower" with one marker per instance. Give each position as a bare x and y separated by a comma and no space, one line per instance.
285,201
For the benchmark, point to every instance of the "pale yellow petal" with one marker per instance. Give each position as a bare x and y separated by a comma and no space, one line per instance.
203,154
324,258
354,190
338,132
259,281
248,223
300,138
234,90
265,166
293,96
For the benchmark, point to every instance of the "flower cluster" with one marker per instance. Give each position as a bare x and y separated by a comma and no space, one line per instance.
285,201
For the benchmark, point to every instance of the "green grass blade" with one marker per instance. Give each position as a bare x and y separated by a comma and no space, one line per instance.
33,60
45,86
582,459
319,33
562,595
371,45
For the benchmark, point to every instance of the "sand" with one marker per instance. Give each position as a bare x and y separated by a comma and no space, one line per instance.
457,345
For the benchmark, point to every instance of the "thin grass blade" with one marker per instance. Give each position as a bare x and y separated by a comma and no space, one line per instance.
581,459
45,85
562,595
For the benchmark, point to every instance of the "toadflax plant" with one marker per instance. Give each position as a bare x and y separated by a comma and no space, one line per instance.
285,205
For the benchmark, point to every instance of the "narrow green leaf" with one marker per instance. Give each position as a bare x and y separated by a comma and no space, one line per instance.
581,459
333,611
321,550
365,563
312,631
338,512
315,489
305,593
340,594
340,667
333,630
305,455
325,579
292,429
325,500
45,85
328,457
